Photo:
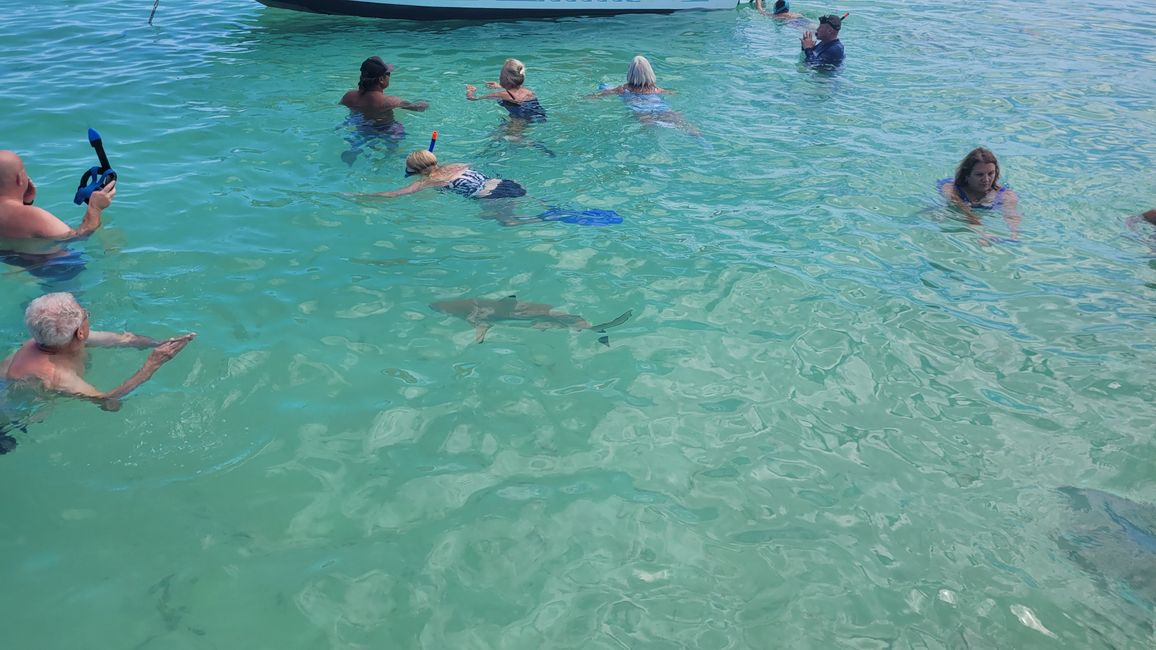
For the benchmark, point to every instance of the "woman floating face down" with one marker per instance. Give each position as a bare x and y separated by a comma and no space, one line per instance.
460,179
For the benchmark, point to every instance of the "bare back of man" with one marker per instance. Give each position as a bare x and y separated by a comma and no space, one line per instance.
377,106
51,370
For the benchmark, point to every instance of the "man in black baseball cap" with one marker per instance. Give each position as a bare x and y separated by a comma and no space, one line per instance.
374,119
828,51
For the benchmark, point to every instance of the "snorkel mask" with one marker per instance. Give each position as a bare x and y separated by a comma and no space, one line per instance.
96,178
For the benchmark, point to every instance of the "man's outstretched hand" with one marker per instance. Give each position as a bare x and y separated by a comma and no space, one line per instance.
166,350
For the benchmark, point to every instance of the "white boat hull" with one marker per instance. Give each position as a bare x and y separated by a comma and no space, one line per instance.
489,9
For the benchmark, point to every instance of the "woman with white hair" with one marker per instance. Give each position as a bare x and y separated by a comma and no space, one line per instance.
55,356
643,96
640,80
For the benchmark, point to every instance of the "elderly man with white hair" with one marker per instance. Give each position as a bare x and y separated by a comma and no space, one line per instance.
55,356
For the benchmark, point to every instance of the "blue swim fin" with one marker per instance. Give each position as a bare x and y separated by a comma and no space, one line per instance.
587,217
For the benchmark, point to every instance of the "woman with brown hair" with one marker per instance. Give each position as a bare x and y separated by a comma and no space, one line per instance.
976,186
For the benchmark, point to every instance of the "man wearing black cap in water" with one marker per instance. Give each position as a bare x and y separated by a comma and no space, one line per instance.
370,99
371,110
829,50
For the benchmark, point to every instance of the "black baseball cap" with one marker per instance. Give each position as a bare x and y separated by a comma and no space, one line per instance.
375,67
835,22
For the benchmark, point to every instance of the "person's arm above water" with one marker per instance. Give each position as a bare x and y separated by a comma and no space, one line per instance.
413,187
1010,207
617,90
391,102
471,90
950,193
98,201
40,223
1132,221
71,384
821,53
120,340
416,107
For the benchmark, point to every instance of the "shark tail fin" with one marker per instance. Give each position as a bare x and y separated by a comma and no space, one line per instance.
602,327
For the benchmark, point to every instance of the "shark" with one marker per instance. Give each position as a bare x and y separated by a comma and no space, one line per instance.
1112,537
482,314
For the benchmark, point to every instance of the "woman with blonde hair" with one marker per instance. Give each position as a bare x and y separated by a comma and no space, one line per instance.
517,99
459,178
456,178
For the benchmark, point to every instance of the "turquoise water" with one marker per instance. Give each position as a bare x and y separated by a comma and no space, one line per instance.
835,419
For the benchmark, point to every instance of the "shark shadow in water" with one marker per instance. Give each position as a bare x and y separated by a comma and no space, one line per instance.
482,314
1114,538
7,442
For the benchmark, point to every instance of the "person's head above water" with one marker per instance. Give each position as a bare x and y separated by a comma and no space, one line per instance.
374,72
979,171
420,162
11,171
781,7
513,74
55,319
829,27
640,74
835,22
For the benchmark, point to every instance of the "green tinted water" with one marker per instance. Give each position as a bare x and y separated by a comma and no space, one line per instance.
835,419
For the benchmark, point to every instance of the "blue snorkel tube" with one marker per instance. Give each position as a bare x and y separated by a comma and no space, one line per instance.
95,178
433,140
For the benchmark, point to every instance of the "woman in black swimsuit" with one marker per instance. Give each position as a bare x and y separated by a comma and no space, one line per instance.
519,101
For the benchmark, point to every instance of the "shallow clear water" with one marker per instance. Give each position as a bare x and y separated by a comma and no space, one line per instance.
835,420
